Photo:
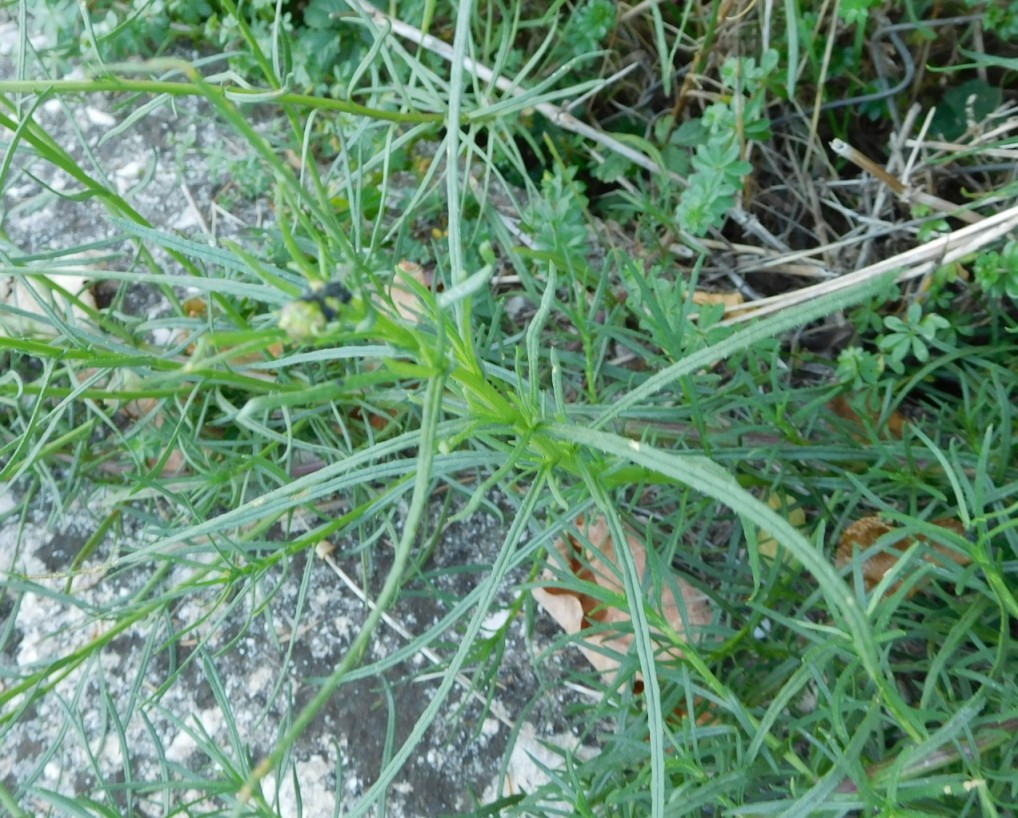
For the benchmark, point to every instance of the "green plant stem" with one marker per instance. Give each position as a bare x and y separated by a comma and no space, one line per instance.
112,85
636,601
8,802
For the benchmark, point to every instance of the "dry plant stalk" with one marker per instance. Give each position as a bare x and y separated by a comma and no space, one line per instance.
898,188
914,263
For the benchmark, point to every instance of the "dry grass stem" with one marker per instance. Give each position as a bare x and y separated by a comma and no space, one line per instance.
914,263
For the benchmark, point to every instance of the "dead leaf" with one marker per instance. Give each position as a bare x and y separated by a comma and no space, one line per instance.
379,420
175,464
29,294
593,559
406,301
863,534
843,409
788,506
195,307
732,299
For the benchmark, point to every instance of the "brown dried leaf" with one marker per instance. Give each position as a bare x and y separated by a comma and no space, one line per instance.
380,420
788,506
407,303
174,466
733,299
863,534
195,307
272,351
598,563
28,294
843,409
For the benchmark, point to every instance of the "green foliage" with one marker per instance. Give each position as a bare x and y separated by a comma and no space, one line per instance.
718,138
191,12
911,335
243,175
848,68
328,50
1000,17
110,31
856,12
557,218
868,318
713,185
858,368
997,273
963,105
664,308
316,49
563,372
588,26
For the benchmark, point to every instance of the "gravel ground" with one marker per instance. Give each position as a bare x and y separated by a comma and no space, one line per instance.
163,694
206,687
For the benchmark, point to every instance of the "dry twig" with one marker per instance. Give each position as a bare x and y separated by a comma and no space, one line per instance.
914,263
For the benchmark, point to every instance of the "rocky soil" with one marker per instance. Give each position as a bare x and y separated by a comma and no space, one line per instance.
200,689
